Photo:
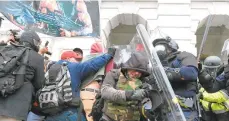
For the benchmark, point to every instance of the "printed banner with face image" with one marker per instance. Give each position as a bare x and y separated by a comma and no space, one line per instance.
55,17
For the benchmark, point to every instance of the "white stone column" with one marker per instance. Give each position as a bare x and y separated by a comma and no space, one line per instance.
117,12
174,19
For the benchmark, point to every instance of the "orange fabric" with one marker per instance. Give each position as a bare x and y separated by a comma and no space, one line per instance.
96,48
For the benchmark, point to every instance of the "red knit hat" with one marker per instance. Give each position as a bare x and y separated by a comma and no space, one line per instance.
70,54
96,48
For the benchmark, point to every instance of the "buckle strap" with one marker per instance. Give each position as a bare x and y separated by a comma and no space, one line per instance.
90,90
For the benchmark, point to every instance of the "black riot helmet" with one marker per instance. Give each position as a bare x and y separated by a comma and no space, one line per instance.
165,46
211,65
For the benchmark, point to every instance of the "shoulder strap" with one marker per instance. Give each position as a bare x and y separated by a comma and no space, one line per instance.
53,72
20,76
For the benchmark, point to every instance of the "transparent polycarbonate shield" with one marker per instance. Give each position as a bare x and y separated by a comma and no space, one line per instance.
122,54
143,43
140,43
225,52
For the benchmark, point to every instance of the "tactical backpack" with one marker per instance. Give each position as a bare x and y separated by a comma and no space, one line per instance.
13,62
57,92
98,105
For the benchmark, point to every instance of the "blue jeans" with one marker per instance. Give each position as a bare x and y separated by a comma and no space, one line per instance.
191,114
69,114
34,117
187,113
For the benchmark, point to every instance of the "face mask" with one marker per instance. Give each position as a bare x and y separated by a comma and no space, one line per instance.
161,51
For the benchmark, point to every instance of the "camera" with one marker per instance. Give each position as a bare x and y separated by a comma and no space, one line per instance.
46,45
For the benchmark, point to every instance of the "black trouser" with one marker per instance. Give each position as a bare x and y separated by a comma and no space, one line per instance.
223,116
210,116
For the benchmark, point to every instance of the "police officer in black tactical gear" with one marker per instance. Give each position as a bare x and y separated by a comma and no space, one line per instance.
182,71
214,94
208,77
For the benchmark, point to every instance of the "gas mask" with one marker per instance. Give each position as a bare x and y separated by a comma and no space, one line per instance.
211,65
161,50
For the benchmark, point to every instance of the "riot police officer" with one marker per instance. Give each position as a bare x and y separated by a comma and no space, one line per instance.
214,96
208,77
182,71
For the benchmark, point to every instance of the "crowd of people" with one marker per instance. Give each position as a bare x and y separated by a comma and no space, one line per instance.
92,88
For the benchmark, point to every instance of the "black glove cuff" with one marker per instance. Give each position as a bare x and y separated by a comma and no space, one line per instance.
201,96
128,95
173,76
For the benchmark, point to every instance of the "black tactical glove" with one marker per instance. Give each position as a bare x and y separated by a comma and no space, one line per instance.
200,66
164,62
136,94
111,51
147,87
173,74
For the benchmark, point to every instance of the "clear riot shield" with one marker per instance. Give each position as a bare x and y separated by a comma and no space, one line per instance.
225,52
141,43
158,71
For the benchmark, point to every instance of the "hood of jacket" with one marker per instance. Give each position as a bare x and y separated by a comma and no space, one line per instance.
30,39
137,62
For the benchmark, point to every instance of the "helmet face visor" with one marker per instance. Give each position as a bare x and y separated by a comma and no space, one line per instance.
212,70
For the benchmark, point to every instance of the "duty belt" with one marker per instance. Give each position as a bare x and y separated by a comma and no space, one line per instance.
90,90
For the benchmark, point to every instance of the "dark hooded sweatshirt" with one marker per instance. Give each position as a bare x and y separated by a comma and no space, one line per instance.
18,104
138,62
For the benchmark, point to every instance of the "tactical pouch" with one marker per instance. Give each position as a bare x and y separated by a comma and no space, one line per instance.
186,102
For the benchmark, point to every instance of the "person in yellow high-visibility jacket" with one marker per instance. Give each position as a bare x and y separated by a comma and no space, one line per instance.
214,94
215,105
